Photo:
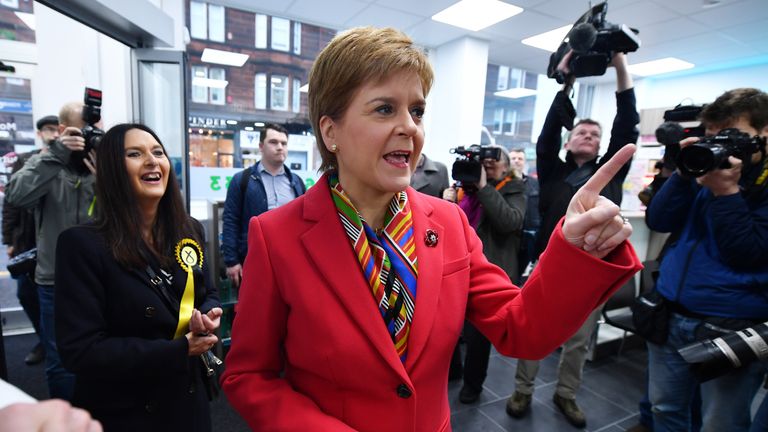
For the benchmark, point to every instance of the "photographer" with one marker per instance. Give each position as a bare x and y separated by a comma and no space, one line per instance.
558,181
715,276
495,208
58,185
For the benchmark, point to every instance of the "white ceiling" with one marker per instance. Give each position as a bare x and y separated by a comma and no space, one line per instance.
730,33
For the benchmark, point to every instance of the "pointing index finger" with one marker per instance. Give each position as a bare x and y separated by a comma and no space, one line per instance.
606,172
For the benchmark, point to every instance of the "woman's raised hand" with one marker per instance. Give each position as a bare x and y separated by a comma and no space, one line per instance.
592,222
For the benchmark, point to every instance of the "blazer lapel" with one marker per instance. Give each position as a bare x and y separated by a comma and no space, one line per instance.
430,275
329,247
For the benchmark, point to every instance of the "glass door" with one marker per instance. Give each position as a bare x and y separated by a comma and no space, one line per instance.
160,102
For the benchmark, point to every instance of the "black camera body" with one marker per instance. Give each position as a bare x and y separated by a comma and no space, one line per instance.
712,152
91,115
670,133
469,163
593,41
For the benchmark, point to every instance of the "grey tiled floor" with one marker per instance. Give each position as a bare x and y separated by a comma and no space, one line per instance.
610,391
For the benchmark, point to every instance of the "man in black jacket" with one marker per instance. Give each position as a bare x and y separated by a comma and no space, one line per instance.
559,180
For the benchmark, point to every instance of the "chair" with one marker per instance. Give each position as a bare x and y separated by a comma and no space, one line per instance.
616,311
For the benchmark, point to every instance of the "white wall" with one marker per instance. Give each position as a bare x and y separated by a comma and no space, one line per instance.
455,104
71,56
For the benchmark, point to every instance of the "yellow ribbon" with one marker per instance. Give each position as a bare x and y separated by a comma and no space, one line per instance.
188,255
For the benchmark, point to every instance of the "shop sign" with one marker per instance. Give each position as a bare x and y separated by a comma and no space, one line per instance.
210,183
207,122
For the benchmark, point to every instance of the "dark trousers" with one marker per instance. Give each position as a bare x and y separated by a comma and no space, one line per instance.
29,300
476,360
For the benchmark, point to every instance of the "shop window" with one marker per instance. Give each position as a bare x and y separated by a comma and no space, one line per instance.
217,93
206,21
296,105
279,93
261,31
199,92
260,91
296,37
281,34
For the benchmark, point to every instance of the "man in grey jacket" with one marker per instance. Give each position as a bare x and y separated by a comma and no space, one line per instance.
59,186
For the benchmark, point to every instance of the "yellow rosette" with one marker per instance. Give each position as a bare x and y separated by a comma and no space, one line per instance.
189,255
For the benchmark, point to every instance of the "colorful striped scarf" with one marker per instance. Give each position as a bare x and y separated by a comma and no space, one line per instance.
379,253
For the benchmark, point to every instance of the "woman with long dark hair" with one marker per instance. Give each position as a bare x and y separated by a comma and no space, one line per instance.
135,307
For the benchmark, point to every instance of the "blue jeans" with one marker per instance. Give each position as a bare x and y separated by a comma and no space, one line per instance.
725,400
760,422
61,384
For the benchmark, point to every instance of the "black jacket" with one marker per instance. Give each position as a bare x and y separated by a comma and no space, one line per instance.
19,223
559,181
114,331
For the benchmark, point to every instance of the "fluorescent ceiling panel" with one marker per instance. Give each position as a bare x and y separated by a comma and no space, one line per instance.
208,82
548,41
224,57
515,93
476,15
656,67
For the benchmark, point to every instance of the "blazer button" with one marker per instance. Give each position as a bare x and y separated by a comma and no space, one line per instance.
403,391
149,312
150,407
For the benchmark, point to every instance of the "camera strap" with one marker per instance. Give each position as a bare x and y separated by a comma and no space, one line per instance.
755,190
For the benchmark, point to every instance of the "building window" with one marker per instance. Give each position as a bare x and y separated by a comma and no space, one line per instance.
260,91
510,122
498,119
501,83
206,21
261,31
208,85
278,96
216,23
296,37
199,91
217,93
281,34
198,20
296,95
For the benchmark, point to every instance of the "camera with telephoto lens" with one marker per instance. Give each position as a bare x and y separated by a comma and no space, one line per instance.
91,115
712,358
469,163
593,41
712,152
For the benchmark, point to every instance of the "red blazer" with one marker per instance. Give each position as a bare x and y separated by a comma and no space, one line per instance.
310,351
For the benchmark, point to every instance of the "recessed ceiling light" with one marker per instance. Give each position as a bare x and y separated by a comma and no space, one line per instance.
476,15
248,128
656,67
550,40
208,82
224,57
231,122
258,124
515,93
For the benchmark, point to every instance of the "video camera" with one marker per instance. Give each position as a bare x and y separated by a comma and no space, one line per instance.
91,115
466,168
670,133
712,358
593,41
712,152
